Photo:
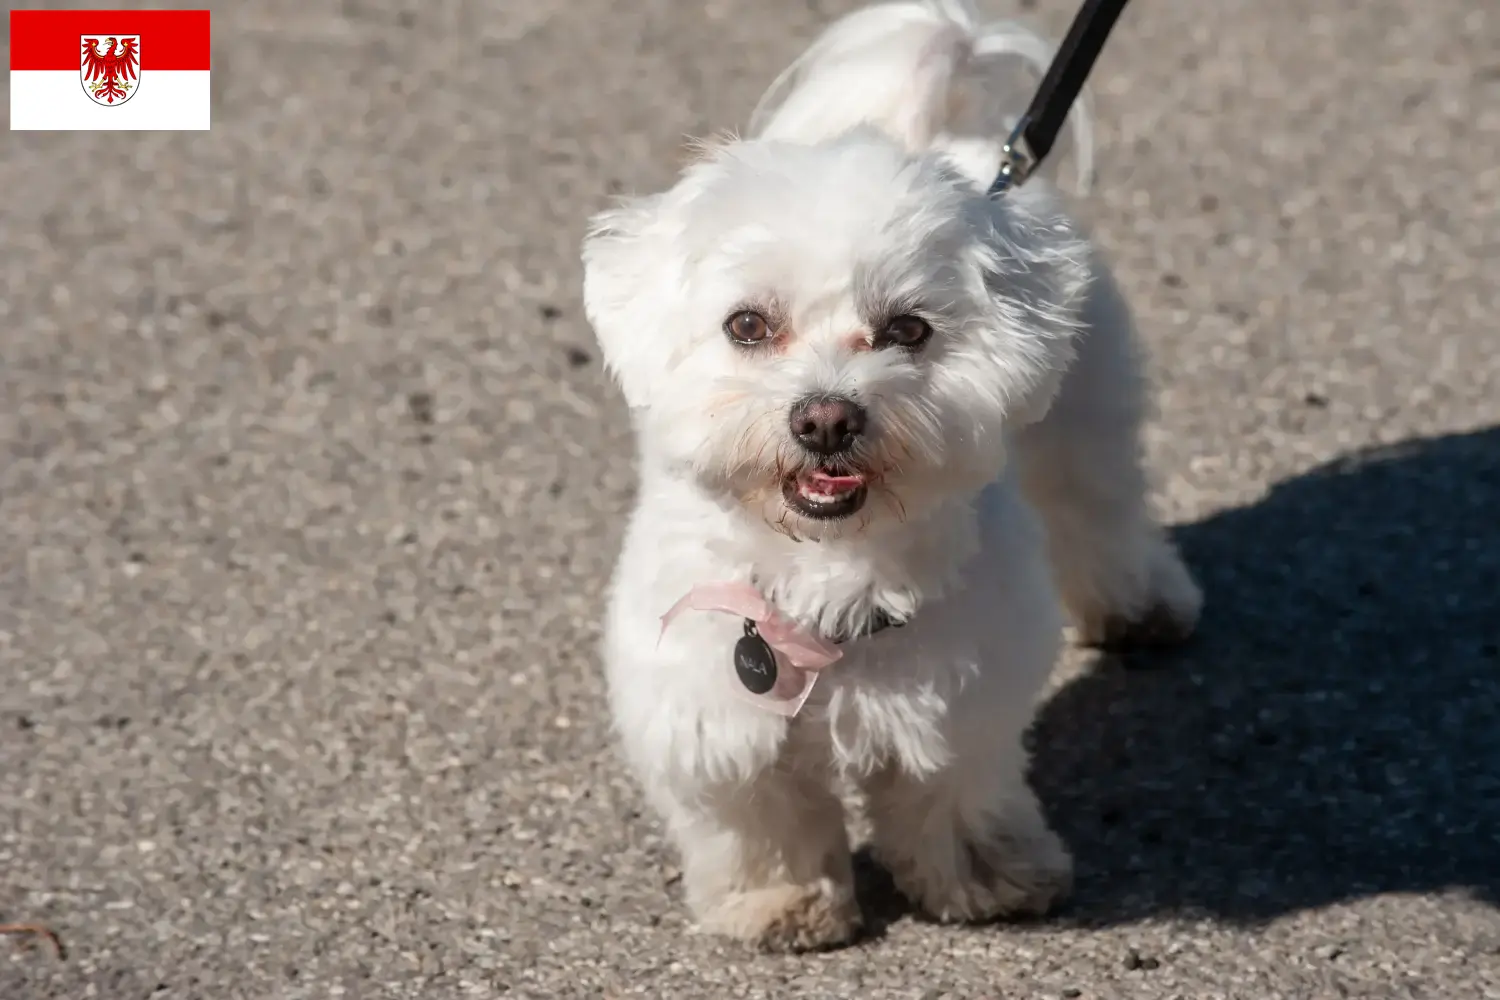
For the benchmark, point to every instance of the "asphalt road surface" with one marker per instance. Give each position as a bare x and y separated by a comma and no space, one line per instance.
310,481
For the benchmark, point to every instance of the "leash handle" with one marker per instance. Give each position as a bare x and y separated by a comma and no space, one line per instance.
1032,138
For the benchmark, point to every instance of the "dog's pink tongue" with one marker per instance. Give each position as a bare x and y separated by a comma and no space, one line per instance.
827,483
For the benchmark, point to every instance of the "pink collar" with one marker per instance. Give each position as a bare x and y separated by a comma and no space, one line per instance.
782,659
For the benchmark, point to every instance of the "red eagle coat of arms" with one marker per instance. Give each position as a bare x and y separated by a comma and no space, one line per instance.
111,71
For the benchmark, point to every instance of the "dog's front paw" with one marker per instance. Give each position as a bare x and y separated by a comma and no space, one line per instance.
788,918
1000,876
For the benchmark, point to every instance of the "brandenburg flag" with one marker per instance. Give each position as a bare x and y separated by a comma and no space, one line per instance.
109,70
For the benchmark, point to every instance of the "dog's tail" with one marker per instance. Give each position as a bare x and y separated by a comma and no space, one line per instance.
897,66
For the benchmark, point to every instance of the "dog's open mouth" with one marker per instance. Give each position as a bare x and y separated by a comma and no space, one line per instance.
825,494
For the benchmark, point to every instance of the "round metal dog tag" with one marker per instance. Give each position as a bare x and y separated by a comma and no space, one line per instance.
754,661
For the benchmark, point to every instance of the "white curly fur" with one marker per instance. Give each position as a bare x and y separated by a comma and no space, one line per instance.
854,201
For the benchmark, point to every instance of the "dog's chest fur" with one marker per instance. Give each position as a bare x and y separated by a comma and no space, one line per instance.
836,587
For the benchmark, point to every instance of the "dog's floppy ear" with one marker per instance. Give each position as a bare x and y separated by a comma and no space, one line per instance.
1037,269
624,286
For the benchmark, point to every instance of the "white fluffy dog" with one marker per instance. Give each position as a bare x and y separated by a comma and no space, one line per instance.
856,382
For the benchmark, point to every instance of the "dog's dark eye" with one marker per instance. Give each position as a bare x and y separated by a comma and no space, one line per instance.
747,327
904,331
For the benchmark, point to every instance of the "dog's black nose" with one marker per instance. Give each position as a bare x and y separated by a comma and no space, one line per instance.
827,425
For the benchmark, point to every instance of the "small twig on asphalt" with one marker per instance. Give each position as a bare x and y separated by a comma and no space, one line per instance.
37,930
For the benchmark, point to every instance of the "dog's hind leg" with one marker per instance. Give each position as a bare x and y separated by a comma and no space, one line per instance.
1081,467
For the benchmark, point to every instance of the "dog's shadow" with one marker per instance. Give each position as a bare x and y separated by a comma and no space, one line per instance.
1334,729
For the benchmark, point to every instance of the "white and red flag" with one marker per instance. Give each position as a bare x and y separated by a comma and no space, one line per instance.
108,70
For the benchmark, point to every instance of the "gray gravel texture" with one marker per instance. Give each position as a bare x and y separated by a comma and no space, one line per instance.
310,482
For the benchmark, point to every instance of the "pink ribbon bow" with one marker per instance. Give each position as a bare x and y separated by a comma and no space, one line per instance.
799,654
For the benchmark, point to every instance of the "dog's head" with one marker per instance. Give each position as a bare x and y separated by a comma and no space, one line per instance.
834,336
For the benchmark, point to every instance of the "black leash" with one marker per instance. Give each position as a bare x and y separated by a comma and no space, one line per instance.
1032,138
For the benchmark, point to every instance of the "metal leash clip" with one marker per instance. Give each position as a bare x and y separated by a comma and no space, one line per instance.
1016,160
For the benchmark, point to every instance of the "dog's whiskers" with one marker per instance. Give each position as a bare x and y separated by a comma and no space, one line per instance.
893,499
